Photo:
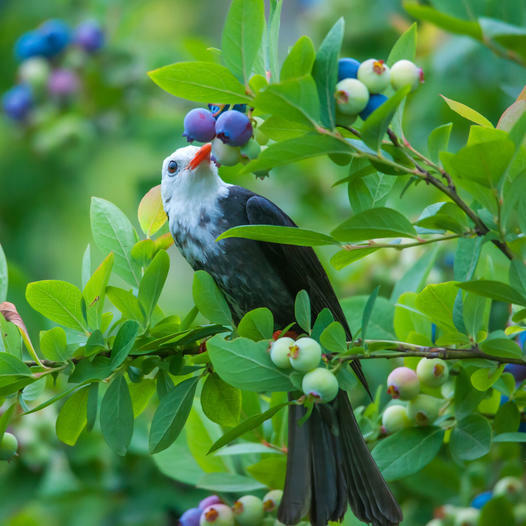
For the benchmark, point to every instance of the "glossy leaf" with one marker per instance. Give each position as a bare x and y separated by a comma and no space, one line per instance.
333,338
72,417
95,291
302,310
495,290
221,402
257,324
151,212
123,342
152,282
471,437
209,299
53,344
404,47
468,113
438,141
126,303
300,59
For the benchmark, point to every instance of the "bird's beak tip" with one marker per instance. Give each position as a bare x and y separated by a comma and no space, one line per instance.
203,154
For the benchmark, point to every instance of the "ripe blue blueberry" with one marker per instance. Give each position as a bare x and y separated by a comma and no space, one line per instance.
248,510
57,35
224,154
320,384
31,44
351,96
403,383
305,354
190,517
89,36
375,101
17,102
63,82
217,514
518,371
199,125
208,501
374,74
480,500
348,68
234,128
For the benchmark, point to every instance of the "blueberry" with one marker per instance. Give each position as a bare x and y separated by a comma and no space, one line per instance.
279,352
351,96
234,128
35,72
57,35
395,418
89,36
199,125
481,499
510,487
305,354
320,384
403,383
423,409
432,372
348,68
405,72
521,339
63,82
8,446
208,501
224,154
31,44
517,370
467,517
190,517
17,102
374,74
248,510
272,500
375,101
217,514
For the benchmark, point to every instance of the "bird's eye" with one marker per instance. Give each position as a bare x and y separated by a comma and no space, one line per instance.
172,167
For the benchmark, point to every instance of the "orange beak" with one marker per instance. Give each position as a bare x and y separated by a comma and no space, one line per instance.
203,154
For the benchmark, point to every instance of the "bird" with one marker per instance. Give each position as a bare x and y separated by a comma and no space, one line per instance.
329,466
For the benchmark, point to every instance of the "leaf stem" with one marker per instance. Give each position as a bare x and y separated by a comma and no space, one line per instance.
401,246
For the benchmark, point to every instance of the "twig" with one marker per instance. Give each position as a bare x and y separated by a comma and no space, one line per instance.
401,246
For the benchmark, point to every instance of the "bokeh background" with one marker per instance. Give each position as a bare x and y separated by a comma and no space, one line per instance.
109,139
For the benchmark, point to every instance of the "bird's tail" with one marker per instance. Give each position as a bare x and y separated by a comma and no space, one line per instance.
328,466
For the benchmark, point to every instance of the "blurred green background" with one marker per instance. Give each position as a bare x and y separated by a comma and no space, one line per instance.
110,141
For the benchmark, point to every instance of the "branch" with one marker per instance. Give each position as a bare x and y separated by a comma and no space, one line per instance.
401,246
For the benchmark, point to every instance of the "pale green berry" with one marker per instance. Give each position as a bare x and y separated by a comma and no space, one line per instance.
251,149
405,72
8,446
320,384
351,96
225,154
424,409
467,517
510,487
432,372
403,383
35,72
395,418
218,515
344,120
435,522
305,354
279,352
272,500
374,74
248,511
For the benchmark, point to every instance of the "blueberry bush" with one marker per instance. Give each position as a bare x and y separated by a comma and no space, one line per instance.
447,422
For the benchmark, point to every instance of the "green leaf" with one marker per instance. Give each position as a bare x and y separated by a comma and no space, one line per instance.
494,290
200,82
269,471
246,365
333,338
368,309
436,302
141,393
257,324
116,416
374,223
502,347
3,275
59,301
247,425
369,191
510,437
443,216
123,343
228,483
405,46
85,271
498,510
300,59
72,417
5,418
280,129
113,232
287,235
483,379
345,257
152,282
95,291
507,419
293,99
209,299
220,401
375,127
517,275
510,36
475,314
438,141
54,345
466,257
407,451
126,302
443,20
325,72
242,36
302,311
471,438
468,113
92,405
171,415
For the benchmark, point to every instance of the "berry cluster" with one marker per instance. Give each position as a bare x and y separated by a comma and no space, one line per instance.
404,384
360,86
304,355
246,511
46,56
229,130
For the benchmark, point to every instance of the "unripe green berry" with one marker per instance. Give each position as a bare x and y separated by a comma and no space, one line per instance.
305,354
225,154
374,74
8,446
435,522
403,383
432,372
272,500
424,409
405,72
218,515
35,72
510,487
467,517
251,149
248,510
351,96
519,513
344,120
320,384
279,352
395,418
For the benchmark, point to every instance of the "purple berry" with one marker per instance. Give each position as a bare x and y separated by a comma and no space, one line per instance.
89,36
209,501
347,68
56,34
481,499
518,371
31,44
190,517
375,101
199,125
17,102
63,82
234,128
